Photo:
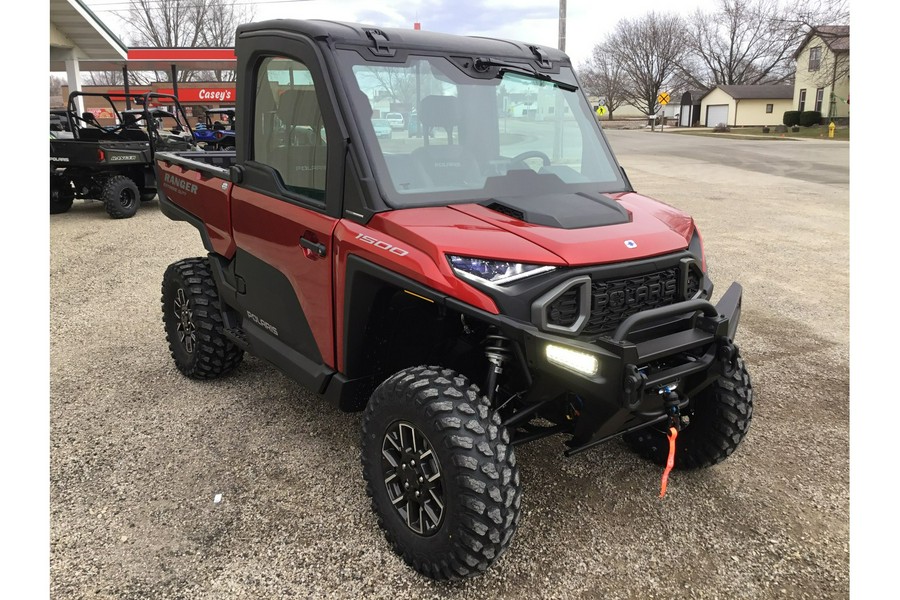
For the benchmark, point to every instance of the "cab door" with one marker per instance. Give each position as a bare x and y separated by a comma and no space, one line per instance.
285,208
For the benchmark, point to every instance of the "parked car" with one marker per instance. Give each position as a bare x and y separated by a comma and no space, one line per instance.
396,120
382,128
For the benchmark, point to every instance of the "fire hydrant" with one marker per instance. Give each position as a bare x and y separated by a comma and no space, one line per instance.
831,129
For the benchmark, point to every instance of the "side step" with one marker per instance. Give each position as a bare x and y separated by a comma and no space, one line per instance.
238,337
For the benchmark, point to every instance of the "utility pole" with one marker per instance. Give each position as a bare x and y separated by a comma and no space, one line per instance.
558,105
562,25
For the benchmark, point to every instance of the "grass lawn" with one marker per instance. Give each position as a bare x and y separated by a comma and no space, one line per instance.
815,132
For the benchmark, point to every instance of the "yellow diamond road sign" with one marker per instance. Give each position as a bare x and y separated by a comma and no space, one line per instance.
601,110
663,98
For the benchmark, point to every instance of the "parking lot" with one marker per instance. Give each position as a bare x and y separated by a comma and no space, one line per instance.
138,452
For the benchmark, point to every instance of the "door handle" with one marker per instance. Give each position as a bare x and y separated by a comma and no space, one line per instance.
312,246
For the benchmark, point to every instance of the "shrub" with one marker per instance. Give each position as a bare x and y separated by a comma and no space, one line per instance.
721,128
808,118
791,118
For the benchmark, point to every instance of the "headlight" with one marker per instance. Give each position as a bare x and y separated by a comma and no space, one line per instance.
580,362
493,271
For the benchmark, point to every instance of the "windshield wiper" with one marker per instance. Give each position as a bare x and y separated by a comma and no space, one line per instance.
483,64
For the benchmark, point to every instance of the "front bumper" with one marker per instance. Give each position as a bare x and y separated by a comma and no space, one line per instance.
688,344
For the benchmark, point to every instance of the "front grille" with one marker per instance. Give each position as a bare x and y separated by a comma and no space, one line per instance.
614,300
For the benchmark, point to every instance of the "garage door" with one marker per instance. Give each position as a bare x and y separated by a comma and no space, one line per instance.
715,114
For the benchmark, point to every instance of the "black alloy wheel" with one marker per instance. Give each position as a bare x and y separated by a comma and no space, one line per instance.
413,477
187,333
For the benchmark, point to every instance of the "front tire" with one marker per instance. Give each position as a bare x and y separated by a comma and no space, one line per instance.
148,194
121,197
192,315
441,472
720,418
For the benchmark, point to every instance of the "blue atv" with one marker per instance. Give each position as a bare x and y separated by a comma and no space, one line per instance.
218,131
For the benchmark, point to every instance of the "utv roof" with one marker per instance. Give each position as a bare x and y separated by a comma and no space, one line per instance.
409,39
223,110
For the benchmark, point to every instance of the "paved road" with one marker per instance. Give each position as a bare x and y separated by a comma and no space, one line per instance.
816,161
138,452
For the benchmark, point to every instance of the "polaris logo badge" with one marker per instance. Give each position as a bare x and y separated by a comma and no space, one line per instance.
122,157
268,327
630,244
179,183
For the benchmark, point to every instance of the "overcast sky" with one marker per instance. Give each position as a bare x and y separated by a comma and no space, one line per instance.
534,21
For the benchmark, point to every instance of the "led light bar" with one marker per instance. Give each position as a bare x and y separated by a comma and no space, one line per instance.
580,362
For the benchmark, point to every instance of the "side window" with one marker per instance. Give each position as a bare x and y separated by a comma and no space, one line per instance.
289,132
820,96
815,58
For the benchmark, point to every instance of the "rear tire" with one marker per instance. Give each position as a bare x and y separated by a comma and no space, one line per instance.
448,503
121,197
720,418
192,314
59,203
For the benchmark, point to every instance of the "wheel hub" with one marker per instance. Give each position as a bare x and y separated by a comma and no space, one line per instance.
187,333
412,477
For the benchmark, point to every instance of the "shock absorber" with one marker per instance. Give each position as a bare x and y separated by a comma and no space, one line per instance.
497,351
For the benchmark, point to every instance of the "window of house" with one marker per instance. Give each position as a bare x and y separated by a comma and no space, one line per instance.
770,108
802,105
288,132
815,58
820,95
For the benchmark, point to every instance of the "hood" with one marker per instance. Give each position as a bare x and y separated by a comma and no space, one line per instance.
442,230
642,229
650,228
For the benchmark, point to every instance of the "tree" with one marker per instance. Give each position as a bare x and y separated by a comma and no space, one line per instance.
752,42
187,24
742,42
649,50
604,77
56,84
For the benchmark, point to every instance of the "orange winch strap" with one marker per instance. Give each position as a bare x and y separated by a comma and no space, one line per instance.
670,462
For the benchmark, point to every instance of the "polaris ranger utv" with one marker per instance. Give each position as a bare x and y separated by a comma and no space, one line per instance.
492,282
114,163
214,134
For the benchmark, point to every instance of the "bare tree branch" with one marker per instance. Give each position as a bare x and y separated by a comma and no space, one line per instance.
601,76
648,49
190,24
743,42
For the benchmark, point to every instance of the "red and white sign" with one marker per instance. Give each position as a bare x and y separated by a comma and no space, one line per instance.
204,94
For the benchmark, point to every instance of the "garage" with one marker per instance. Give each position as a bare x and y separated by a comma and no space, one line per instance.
715,114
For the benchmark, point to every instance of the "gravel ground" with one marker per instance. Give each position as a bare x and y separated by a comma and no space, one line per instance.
138,452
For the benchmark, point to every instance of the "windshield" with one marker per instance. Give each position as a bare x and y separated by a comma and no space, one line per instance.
466,139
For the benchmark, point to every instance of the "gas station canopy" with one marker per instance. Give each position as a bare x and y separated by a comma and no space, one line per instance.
80,41
77,35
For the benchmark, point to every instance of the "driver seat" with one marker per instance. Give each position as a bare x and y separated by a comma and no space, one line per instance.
447,165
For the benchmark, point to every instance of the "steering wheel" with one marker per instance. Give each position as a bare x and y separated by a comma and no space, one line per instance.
521,158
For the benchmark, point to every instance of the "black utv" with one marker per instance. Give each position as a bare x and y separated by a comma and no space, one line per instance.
114,163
